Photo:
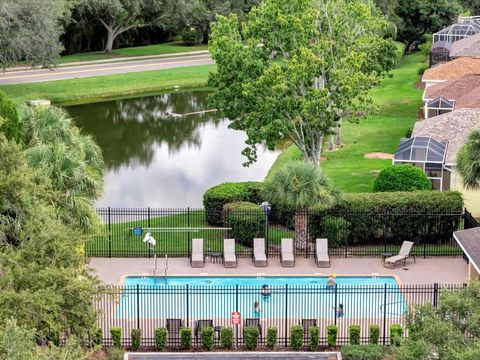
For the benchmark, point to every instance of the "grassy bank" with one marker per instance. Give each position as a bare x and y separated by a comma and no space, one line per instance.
398,100
104,87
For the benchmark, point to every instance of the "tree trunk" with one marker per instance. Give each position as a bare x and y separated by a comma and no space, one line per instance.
330,142
110,38
339,133
301,229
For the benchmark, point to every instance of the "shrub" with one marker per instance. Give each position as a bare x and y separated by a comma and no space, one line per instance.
186,338
207,335
374,334
161,338
217,196
136,335
250,337
271,337
246,220
363,352
401,178
97,337
192,36
115,354
314,339
10,125
422,69
296,337
226,338
334,228
332,331
396,333
116,333
354,334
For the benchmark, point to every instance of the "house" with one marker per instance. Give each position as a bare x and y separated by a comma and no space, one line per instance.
459,93
451,70
466,48
433,147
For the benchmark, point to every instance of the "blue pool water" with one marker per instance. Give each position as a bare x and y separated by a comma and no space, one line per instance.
300,297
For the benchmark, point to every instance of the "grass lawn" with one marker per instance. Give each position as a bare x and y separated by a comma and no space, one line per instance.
157,49
398,101
104,87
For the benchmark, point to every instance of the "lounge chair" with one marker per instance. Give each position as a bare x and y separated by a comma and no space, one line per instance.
403,254
287,258
307,324
173,328
229,257
200,324
259,257
253,322
197,258
321,253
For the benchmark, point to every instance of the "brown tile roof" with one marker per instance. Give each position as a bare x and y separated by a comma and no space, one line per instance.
469,241
453,127
452,69
465,90
467,47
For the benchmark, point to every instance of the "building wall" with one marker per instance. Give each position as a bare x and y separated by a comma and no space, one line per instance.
473,274
471,198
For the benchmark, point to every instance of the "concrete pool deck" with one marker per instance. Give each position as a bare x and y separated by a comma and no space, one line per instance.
424,271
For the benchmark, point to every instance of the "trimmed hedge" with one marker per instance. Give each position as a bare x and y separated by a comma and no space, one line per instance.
374,334
314,339
186,338
207,336
250,337
226,338
97,337
116,333
363,352
354,331
332,331
401,178
271,337
136,336
247,221
396,333
217,196
161,338
296,337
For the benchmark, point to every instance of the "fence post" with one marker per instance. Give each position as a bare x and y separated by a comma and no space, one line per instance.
286,315
148,225
385,217
109,233
187,304
188,233
384,314
138,306
236,309
335,303
435,295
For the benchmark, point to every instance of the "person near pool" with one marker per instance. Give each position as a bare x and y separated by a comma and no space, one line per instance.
265,291
339,310
256,309
331,280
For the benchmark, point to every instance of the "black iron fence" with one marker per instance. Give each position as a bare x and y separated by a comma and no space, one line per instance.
150,307
349,234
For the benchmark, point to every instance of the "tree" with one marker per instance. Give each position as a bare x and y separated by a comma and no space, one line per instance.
300,186
296,69
473,6
11,126
468,161
118,16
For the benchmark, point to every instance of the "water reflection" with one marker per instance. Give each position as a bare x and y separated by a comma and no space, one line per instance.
158,159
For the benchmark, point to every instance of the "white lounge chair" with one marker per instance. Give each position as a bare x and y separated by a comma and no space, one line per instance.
321,253
197,258
229,257
287,258
403,254
259,257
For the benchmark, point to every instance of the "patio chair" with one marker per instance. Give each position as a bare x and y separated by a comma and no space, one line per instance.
403,254
287,258
229,257
307,324
253,322
321,253
259,257
200,324
197,258
173,328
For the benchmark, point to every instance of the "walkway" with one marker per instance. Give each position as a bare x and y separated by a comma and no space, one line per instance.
236,356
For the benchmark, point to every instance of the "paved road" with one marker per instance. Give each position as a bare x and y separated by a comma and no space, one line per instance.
234,356
99,69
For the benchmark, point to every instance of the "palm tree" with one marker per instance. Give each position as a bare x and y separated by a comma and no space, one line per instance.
468,161
300,186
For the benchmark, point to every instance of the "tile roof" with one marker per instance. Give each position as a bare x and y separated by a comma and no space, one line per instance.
453,127
465,90
469,241
452,69
467,47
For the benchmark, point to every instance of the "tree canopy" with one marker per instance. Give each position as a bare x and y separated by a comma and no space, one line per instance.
297,68
468,161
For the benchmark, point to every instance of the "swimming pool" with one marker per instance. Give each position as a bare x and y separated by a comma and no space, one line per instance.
290,296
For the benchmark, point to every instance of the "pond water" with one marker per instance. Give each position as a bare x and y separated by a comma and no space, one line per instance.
159,159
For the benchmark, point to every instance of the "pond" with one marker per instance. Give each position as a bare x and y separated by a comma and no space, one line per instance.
156,158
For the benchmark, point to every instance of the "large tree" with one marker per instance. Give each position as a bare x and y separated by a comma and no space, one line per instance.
468,161
296,69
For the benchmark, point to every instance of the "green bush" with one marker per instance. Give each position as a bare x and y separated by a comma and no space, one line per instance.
363,352
192,36
97,337
334,228
272,337
374,334
116,333
296,337
217,196
186,338
396,333
332,331
115,354
161,338
422,69
226,338
401,178
314,339
136,336
10,126
354,334
250,337
207,336
247,221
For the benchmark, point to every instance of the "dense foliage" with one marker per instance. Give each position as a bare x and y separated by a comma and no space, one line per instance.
10,124
272,333
363,352
250,337
226,338
401,178
468,161
246,220
296,337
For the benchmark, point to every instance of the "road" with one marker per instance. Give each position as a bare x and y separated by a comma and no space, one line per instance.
101,69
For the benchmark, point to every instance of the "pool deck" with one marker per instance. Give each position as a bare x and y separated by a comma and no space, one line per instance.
424,271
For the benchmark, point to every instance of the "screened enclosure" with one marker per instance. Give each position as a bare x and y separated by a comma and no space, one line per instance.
439,52
457,32
438,106
427,154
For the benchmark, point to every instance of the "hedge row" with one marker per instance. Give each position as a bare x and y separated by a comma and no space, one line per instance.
246,220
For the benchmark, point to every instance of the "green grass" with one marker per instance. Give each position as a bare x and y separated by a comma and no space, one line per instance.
111,86
398,100
157,49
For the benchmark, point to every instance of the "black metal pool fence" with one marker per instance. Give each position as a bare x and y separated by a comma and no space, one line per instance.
349,234
173,307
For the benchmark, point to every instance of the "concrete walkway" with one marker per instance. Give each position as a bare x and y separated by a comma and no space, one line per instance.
236,355
424,271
